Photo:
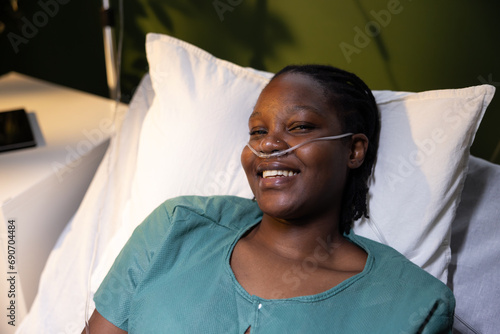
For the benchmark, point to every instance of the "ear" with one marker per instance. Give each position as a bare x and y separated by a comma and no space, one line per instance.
359,145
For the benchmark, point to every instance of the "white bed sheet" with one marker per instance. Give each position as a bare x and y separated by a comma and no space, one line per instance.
475,261
62,310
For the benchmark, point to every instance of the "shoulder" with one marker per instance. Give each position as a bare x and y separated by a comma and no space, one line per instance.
228,211
215,208
397,273
185,218
214,205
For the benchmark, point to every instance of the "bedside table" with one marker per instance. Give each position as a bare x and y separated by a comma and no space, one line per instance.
42,187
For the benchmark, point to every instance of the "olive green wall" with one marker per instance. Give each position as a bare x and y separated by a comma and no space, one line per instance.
410,45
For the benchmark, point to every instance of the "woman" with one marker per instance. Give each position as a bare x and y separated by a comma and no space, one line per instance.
288,261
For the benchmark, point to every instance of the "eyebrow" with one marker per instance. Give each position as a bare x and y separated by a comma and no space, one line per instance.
291,110
255,114
304,107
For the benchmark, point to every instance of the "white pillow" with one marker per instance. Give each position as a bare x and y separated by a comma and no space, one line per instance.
193,135
421,169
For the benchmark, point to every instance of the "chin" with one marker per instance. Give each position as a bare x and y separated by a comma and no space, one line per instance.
281,207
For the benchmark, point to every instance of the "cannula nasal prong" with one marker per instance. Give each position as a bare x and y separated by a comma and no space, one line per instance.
288,150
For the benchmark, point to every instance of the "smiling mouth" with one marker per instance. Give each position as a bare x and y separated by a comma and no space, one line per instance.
277,173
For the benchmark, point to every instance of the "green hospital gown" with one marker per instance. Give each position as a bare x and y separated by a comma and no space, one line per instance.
173,276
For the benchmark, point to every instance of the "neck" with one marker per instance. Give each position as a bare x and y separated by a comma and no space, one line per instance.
297,241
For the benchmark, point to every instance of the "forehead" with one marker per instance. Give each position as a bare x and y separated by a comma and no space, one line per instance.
292,93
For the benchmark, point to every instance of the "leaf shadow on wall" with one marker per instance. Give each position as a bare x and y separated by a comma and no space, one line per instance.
245,33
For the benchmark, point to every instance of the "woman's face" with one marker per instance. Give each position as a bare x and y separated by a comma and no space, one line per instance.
310,180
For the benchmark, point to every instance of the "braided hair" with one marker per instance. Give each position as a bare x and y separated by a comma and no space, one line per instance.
358,113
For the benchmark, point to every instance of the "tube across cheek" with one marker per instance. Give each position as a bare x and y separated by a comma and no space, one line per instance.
283,152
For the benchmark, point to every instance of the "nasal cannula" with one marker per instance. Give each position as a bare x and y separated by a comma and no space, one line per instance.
288,150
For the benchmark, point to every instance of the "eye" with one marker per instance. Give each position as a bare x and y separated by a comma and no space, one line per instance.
258,132
302,127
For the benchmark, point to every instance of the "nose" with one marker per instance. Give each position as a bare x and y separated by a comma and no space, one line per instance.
271,144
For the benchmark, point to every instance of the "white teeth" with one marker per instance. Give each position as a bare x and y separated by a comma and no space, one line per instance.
276,173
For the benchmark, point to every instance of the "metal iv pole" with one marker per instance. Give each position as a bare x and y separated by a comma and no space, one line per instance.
110,55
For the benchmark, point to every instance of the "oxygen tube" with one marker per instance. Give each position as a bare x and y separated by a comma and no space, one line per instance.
280,153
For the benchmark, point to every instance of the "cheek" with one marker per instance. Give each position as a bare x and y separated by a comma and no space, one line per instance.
247,161
326,165
317,155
